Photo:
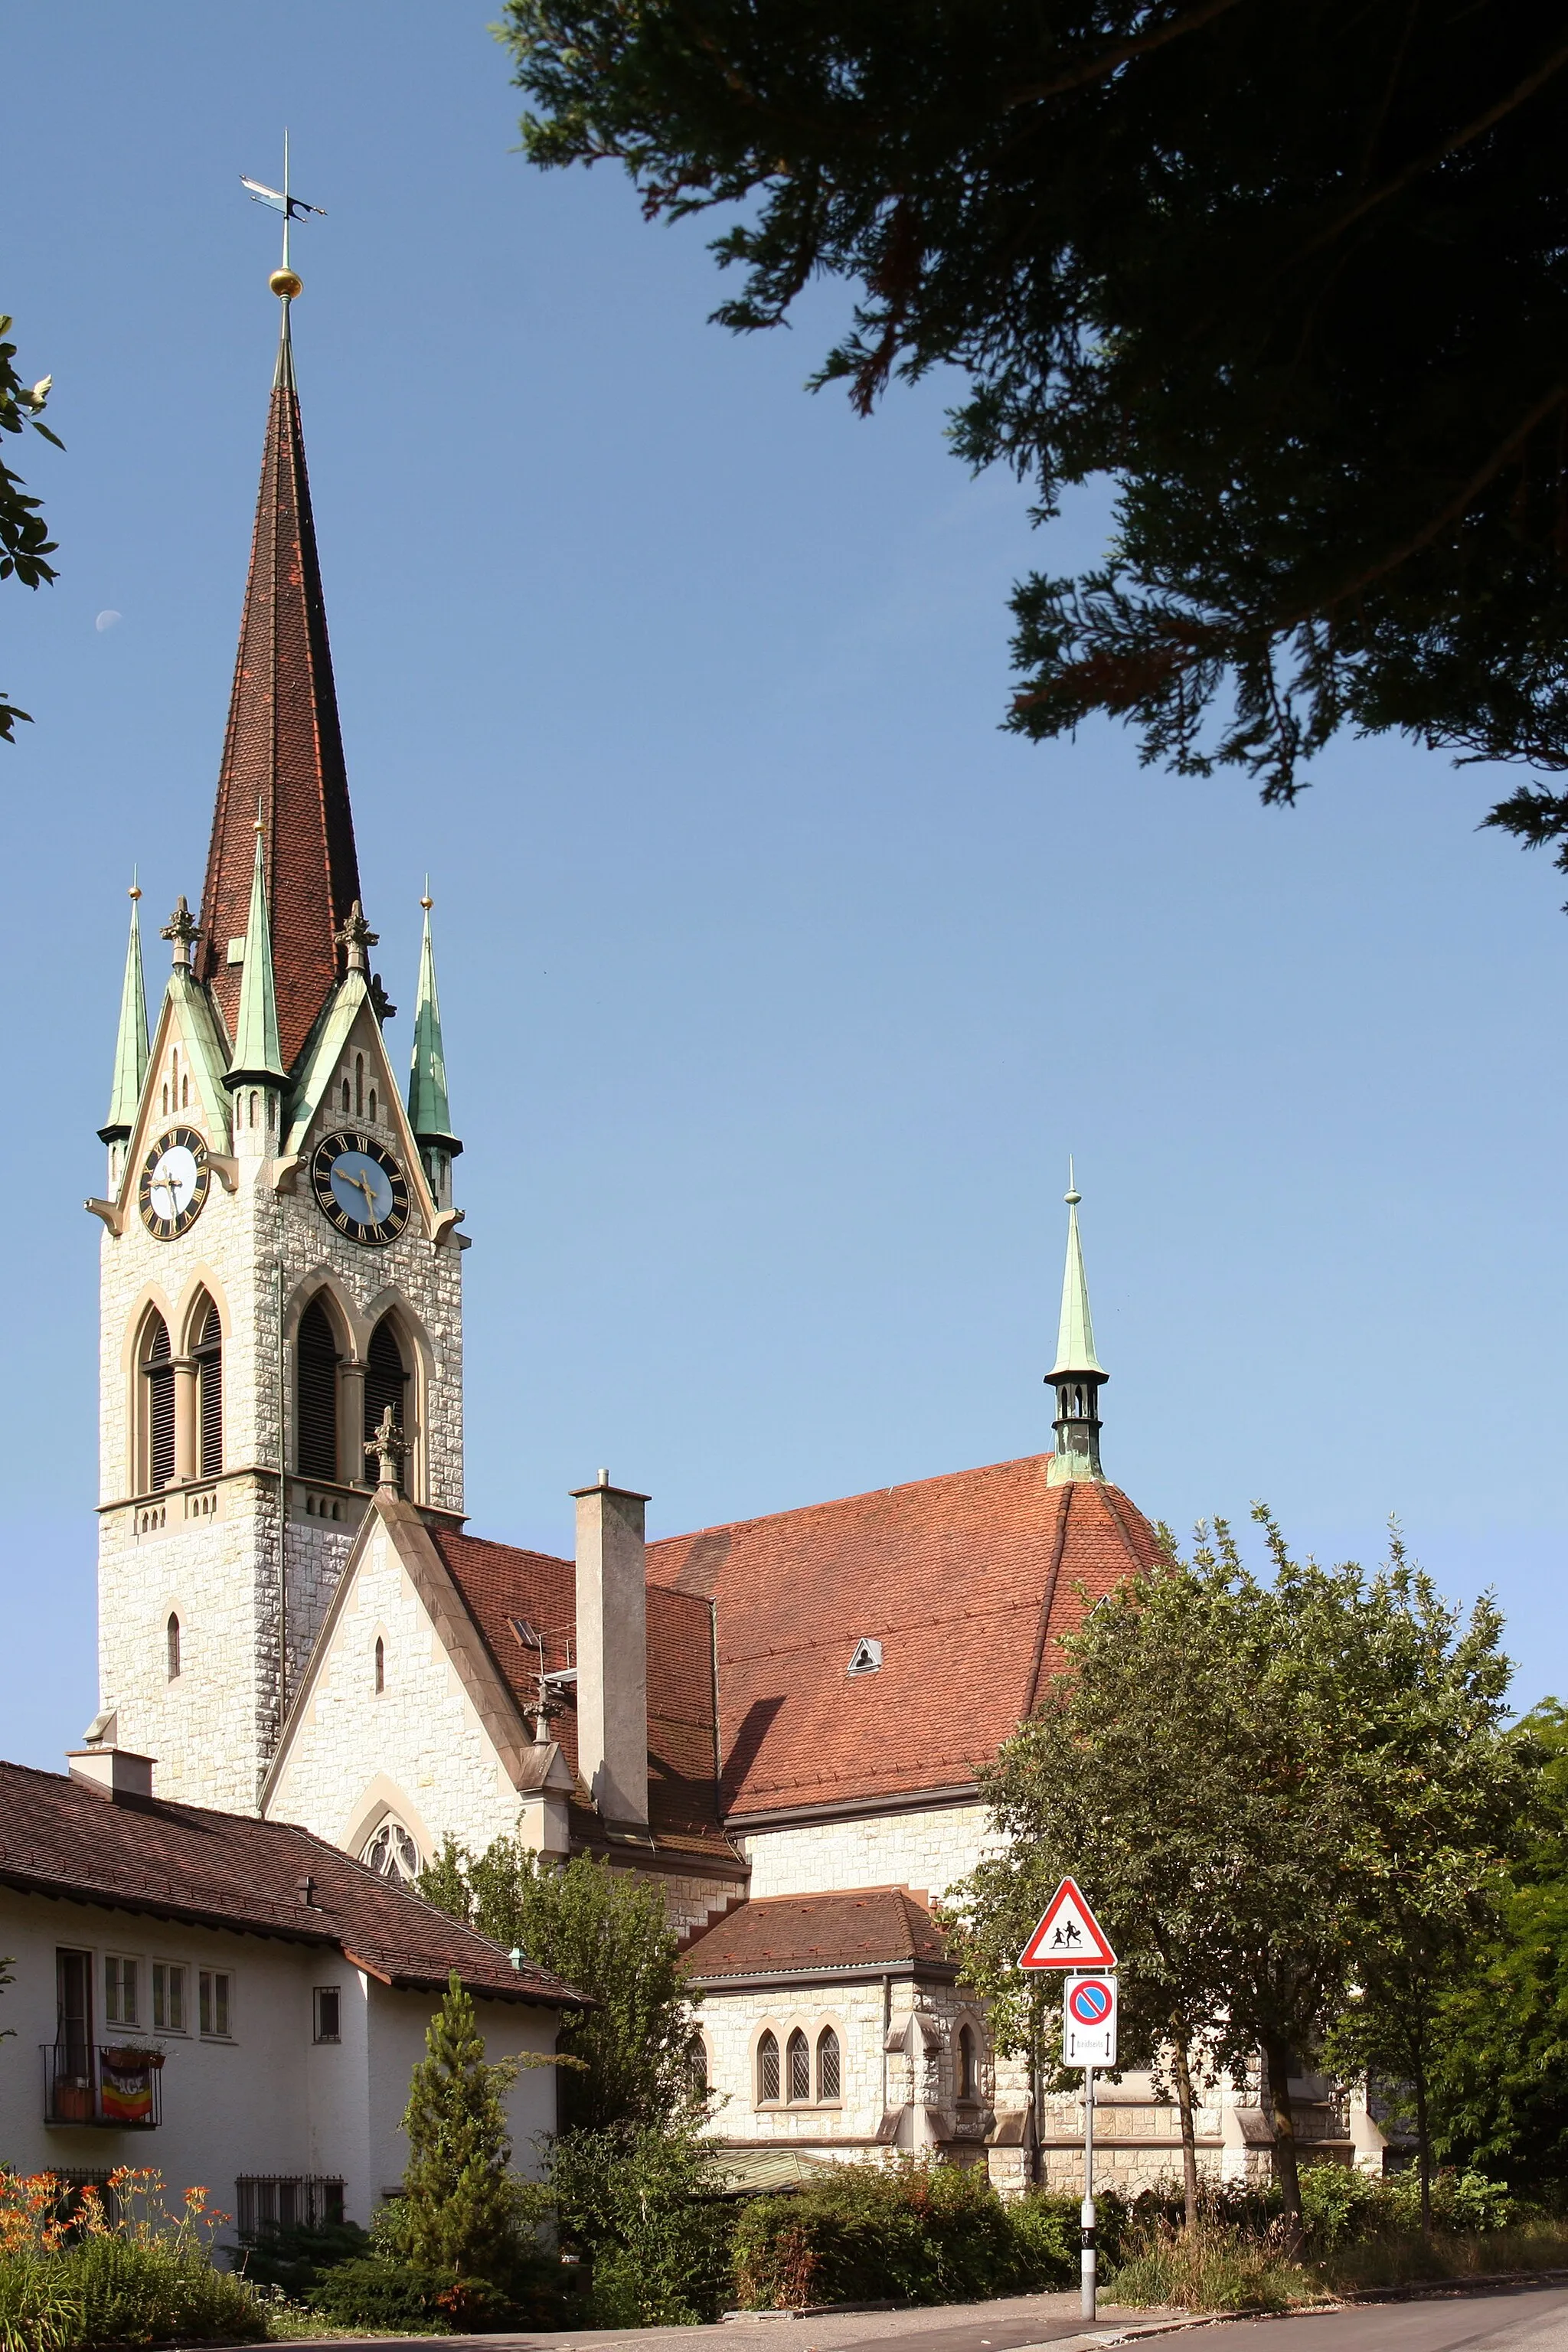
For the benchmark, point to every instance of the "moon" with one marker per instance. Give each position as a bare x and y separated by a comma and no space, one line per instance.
105,621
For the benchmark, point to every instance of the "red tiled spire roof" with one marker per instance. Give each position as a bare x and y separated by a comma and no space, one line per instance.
283,749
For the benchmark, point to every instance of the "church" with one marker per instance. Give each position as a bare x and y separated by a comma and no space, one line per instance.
779,1721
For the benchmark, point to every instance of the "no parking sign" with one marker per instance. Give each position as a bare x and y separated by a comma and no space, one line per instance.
1089,2020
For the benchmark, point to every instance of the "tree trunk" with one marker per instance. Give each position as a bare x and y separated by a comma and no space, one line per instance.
1276,2057
1423,2150
1183,2073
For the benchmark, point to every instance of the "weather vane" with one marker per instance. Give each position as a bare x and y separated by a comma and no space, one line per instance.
285,282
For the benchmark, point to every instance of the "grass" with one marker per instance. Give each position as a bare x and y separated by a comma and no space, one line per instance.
1214,2268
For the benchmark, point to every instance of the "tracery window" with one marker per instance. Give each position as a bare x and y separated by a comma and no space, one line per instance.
208,1354
797,2052
386,1380
316,1394
392,1851
767,2068
827,2066
157,1467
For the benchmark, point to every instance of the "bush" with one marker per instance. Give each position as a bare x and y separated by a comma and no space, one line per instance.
898,2231
638,2206
294,2260
1209,2269
375,2291
140,2294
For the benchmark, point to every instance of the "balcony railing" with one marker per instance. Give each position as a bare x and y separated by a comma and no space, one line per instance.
111,2086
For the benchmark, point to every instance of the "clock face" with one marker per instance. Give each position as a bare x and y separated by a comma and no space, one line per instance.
173,1184
359,1188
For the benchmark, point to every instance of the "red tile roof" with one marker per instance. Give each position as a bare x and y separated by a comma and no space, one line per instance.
283,748
968,1582
874,1927
226,1870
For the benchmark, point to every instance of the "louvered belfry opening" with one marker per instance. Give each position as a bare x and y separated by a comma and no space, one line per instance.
316,1394
157,1364
385,1381
208,1353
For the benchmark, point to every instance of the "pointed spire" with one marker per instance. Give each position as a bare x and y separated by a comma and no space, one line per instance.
1077,1375
1075,1332
429,1113
256,1060
130,1044
284,747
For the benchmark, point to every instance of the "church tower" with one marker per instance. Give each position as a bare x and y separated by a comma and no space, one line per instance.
280,1256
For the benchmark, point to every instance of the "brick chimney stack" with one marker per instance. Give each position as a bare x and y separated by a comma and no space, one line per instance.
612,1649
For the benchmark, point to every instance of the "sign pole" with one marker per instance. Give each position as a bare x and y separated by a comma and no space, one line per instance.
1087,2259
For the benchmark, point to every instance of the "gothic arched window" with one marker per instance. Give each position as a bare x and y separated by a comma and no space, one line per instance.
171,1636
372,1106
208,1353
316,1394
767,2069
827,2067
157,1465
345,1094
385,1379
392,1851
380,1664
359,1085
968,2064
697,2066
797,2055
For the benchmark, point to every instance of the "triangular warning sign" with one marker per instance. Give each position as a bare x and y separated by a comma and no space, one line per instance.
1068,1936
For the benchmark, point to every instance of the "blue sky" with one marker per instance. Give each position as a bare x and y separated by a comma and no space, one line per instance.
778,982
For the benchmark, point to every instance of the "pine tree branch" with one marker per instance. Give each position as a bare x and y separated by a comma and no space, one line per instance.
1100,68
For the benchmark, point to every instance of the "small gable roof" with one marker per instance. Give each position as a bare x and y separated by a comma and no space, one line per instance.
967,1581
801,1935
58,1836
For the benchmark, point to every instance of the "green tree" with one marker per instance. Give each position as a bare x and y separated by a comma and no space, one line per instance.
606,1932
1238,1768
1500,2086
24,542
1290,276
459,2206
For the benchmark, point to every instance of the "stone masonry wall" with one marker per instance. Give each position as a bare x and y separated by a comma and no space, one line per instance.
926,1852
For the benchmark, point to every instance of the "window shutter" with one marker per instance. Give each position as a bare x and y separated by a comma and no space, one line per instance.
316,1385
160,1405
384,1382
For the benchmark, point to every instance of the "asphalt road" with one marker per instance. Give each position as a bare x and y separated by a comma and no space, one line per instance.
1517,2319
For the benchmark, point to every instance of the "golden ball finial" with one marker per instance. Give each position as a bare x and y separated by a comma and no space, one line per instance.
286,284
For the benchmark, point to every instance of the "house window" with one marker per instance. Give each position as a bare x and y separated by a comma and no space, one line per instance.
328,2013
380,1664
797,2052
316,1394
73,2011
119,1991
172,1644
392,1851
385,1379
215,1988
208,1354
827,2067
168,1997
158,1371
968,2064
697,2066
767,2070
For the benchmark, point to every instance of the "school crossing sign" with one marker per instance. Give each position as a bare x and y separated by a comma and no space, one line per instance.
1068,1936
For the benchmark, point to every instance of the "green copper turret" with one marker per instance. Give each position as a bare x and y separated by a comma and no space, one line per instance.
258,1057
429,1112
131,1045
1077,1375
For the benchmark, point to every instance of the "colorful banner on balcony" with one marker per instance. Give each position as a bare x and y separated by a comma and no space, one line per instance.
124,2088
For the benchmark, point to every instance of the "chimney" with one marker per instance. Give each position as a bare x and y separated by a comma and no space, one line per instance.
111,1771
612,1649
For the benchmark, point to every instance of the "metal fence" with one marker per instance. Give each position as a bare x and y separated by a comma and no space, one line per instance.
268,2201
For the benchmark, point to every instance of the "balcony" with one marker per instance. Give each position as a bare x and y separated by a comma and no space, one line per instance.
113,2086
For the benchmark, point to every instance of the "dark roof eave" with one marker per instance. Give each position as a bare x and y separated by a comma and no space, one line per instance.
893,1800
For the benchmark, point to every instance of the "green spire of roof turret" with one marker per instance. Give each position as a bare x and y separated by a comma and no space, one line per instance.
1074,1333
429,1112
131,1045
258,1057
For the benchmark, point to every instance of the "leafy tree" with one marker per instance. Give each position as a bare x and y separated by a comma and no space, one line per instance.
1291,276
1500,2086
638,2201
459,2209
1239,1769
606,1932
24,542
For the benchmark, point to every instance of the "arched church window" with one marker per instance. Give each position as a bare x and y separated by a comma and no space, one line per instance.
372,1103
392,1851
386,1380
186,1093
767,2068
208,1354
254,1106
697,2066
359,1085
171,1636
827,2067
316,1394
380,1664
158,1371
968,2064
345,1094
165,1097
797,2052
